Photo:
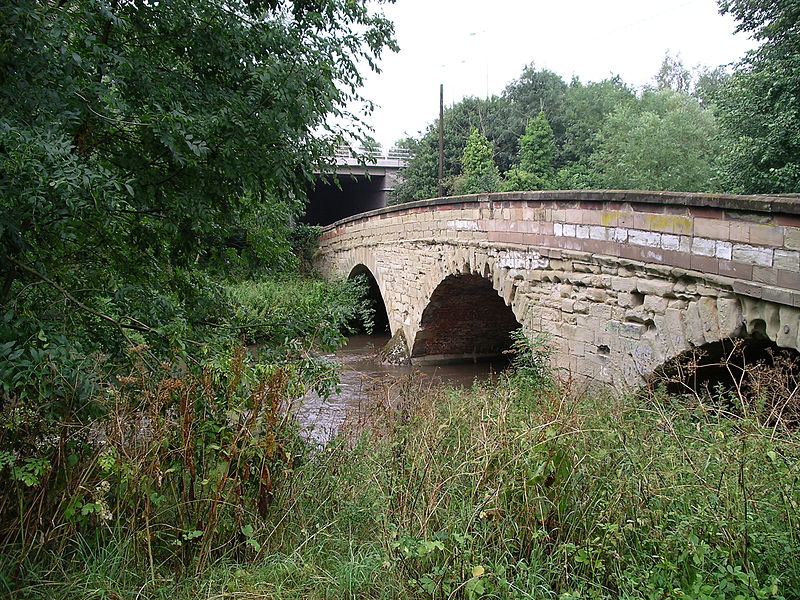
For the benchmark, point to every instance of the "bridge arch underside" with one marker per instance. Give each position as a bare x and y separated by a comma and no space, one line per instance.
374,300
730,364
465,320
331,199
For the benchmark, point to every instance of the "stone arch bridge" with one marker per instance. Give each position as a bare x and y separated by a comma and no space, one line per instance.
619,281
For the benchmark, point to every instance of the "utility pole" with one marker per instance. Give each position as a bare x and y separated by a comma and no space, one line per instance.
441,140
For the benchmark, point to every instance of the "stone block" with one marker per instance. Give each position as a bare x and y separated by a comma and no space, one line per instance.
729,317
678,303
735,269
745,288
777,295
705,264
791,238
786,259
704,246
584,331
754,255
712,228
654,286
670,242
644,238
789,330
632,331
603,312
596,295
724,250
597,232
739,232
669,223
694,325
577,348
766,235
674,330
623,284
574,215
581,306
788,279
707,308
582,267
626,219
655,304
766,275
627,300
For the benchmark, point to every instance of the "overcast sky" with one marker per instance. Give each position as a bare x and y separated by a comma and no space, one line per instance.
476,48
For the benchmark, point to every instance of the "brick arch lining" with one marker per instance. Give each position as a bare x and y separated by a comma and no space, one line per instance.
465,318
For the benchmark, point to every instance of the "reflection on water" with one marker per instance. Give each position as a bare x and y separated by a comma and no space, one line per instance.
362,375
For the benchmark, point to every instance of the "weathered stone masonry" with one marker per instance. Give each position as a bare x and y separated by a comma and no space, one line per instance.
621,282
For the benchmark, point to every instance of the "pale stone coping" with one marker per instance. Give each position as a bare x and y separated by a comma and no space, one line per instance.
765,203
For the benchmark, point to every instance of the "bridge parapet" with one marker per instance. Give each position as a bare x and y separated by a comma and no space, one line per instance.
622,281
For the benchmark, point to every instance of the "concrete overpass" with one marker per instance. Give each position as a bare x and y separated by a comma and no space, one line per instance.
353,184
619,281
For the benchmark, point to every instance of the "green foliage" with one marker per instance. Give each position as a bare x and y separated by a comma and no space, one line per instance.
530,363
758,107
150,149
703,83
420,176
280,314
150,153
673,75
304,240
537,152
587,107
534,91
499,491
665,141
180,455
479,174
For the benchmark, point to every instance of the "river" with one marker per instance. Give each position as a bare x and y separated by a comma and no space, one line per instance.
363,376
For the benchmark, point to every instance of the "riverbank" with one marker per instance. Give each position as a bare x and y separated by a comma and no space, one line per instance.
525,488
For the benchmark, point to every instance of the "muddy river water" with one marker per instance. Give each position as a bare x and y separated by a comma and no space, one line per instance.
362,376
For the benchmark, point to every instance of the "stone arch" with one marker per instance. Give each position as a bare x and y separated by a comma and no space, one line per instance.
699,324
374,296
754,331
722,363
465,318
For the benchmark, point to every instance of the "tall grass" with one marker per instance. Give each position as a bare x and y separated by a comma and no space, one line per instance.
524,488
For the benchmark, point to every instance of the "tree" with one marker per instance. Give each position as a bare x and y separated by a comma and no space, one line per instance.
142,143
759,107
480,174
701,82
537,152
420,176
666,141
534,91
673,75
587,107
